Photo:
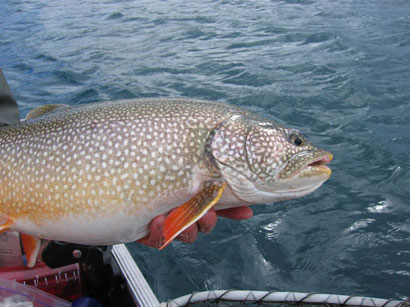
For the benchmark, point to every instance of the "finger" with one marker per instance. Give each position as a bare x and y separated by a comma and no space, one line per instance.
238,213
155,237
208,221
189,235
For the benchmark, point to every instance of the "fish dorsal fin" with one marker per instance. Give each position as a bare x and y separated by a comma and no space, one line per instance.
191,211
41,110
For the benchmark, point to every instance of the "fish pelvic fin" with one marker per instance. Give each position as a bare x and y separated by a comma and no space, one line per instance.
191,211
31,246
6,225
41,110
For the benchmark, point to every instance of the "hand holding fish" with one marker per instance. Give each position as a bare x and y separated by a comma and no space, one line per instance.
205,224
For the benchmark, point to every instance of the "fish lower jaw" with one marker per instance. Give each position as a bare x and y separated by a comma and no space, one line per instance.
280,195
316,170
259,196
311,170
292,193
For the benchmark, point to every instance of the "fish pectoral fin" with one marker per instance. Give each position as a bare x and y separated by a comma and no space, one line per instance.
31,246
191,211
44,109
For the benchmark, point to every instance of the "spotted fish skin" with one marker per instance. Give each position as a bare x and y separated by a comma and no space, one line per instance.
104,166
99,173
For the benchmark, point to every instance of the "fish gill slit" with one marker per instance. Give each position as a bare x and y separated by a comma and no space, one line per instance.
246,151
208,151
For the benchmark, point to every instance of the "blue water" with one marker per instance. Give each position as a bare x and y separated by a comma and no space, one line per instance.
338,70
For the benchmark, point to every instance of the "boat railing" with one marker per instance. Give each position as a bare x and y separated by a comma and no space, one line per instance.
144,296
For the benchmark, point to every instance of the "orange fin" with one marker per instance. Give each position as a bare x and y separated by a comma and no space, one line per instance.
6,225
31,246
191,211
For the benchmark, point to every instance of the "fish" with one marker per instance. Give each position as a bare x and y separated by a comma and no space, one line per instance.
98,173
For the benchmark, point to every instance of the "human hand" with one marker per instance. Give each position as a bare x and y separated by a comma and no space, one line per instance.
205,224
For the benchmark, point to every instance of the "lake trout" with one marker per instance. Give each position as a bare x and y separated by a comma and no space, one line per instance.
97,174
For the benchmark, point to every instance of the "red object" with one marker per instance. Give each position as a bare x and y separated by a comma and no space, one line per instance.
64,282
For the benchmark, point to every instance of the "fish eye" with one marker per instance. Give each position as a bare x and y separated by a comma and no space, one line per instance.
297,141
296,138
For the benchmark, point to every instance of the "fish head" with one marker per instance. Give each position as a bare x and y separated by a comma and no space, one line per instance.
264,162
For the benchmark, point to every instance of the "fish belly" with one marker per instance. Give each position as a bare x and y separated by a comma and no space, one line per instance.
100,230
100,227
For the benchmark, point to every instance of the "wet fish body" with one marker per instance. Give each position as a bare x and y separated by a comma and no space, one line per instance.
99,173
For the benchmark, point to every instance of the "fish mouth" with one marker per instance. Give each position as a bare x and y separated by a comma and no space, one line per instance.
318,166
309,176
323,160
315,166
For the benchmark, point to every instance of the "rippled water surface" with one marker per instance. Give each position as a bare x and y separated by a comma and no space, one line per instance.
338,70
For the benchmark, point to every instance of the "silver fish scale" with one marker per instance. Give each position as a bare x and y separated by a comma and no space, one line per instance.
107,156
